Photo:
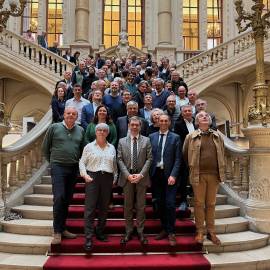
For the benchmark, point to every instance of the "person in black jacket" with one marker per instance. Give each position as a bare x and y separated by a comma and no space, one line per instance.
58,105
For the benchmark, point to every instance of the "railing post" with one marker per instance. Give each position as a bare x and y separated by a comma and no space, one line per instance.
236,173
229,169
21,170
28,167
245,173
12,180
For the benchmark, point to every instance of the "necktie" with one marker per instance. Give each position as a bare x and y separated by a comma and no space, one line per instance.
159,150
134,155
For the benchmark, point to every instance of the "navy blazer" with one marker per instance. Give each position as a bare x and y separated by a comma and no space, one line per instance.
172,155
87,115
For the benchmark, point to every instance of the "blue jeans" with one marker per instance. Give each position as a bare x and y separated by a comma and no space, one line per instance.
63,182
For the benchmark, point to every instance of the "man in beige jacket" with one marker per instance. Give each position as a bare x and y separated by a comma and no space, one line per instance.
203,151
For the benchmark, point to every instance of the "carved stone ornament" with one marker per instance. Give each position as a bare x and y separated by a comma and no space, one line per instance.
260,189
123,49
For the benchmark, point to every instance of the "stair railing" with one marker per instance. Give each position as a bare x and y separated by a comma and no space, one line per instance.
34,53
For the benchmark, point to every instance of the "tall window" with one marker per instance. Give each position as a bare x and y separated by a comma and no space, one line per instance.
266,5
111,24
55,22
214,23
30,17
135,22
191,24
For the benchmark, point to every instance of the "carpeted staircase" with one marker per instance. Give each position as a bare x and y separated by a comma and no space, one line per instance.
111,255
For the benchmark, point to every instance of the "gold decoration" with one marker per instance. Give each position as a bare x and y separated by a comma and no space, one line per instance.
14,10
259,112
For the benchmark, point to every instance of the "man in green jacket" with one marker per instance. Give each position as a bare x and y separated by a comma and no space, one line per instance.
62,147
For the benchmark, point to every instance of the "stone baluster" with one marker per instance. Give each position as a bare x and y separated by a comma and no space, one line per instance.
236,174
39,155
245,173
35,156
229,169
28,167
4,180
21,169
12,180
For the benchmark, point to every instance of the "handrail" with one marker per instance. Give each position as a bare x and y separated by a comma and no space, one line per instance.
32,135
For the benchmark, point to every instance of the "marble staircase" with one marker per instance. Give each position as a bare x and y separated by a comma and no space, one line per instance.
25,242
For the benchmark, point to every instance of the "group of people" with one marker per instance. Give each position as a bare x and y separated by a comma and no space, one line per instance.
119,125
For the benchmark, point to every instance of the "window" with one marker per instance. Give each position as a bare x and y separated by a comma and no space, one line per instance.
135,22
191,24
30,17
55,22
111,22
214,23
266,5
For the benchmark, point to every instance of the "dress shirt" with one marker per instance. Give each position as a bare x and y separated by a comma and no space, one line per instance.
161,163
95,158
95,105
131,148
78,104
147,115
189,125
181,102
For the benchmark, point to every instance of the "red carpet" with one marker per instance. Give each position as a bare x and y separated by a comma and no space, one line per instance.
111,255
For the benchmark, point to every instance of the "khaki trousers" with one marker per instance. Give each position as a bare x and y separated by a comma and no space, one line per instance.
204,202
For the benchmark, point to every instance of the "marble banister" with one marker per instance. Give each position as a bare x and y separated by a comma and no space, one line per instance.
193,66
34,53
237,167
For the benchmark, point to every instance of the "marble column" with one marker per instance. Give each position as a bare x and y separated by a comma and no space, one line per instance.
164,22
81,20
258,202
165,47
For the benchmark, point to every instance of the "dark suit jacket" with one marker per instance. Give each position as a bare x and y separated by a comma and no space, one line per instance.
42,42
100,63
180,128
122,127
87,115
172,155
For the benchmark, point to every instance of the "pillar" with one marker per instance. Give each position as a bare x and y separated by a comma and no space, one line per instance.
81,21
164,22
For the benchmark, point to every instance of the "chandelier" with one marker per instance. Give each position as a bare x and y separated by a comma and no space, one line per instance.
12,8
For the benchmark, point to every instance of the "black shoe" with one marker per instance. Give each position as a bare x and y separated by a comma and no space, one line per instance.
102,237
142,239
127,237
88,244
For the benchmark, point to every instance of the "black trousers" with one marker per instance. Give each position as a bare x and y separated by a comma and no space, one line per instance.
97,192
63,182
165,196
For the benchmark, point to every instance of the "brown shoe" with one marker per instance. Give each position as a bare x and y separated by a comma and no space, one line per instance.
172,240
56,239
213,238
68,235
161,235
199,238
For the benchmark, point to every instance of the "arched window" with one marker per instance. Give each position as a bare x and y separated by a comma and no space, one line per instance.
55,22
135,22
214,23
30,17
111,22
191,24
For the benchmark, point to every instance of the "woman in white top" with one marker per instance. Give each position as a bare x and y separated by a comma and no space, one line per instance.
98,168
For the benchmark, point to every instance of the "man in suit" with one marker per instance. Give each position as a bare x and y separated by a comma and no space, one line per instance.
166,150
184,126
134,160
122,122
145,112
88,111
42,41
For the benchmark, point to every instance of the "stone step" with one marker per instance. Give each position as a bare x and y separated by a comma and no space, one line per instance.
256,259
45,212
9,261
43,189
47,199
46,179
24,244
44,227
240,241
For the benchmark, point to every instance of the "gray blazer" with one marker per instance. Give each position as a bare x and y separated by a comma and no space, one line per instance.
124,159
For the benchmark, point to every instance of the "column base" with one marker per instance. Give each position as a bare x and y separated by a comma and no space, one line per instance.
258,215
83,47
163,50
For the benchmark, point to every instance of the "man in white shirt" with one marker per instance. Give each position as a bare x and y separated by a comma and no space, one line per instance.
77,101
134,160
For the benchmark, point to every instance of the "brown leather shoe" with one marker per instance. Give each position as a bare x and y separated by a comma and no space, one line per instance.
213,238
199,238
68,235
56,239
161,235
172,240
